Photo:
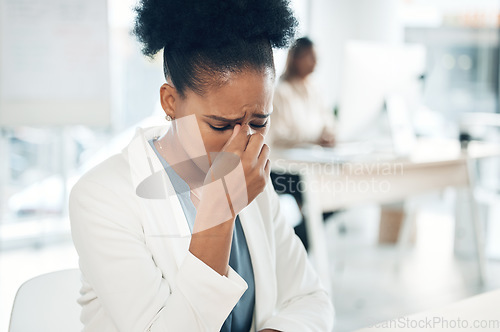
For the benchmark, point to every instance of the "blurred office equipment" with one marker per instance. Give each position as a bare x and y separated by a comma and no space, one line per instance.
373,73
335,23
403,135
47,303
462,67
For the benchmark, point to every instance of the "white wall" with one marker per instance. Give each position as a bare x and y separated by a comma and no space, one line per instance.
334,22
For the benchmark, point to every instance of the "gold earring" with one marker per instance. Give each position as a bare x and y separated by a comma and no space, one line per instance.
168,118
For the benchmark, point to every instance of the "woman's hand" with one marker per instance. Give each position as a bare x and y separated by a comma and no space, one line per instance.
327,138
237,175
243,166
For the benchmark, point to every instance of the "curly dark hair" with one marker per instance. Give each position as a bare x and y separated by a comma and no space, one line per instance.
203,39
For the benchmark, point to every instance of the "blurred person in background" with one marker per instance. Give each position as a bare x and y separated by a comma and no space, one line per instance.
300,118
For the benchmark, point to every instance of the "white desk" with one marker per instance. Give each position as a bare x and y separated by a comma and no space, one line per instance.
477,313
332,183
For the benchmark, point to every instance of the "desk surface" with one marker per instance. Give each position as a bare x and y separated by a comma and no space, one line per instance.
426,151
334,180
477,313
378,176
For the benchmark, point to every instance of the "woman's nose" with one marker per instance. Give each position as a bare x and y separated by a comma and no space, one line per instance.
249,129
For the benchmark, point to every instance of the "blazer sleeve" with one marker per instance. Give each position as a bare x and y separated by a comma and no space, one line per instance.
302,304
116,262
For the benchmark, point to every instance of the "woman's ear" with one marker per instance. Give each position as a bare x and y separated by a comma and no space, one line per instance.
168,96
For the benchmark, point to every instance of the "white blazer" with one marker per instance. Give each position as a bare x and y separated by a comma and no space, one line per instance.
299,115
137,271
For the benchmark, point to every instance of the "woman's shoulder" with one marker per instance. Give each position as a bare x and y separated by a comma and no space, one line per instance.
111,175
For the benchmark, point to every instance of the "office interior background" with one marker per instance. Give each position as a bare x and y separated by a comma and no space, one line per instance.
441,56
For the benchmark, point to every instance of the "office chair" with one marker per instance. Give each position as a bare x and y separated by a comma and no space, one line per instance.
47,303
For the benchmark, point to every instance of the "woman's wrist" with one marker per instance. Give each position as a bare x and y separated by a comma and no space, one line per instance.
213,246
213,208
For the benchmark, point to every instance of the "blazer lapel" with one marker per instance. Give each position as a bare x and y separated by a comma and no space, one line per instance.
261,256
166,229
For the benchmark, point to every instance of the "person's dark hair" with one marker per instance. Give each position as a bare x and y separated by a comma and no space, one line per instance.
298,48
202,40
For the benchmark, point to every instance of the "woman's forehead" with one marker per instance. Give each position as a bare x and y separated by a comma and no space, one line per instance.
246,93
235,114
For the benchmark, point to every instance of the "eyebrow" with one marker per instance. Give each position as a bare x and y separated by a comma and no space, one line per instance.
220,118
262,116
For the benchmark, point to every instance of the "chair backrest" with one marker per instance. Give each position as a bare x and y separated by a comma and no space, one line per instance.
48,303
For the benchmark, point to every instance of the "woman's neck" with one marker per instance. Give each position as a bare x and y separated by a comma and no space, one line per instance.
191,170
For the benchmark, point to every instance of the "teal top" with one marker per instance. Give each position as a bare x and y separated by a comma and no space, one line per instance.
240,318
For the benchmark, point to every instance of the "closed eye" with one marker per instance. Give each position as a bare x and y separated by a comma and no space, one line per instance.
226,127
260,126
220,128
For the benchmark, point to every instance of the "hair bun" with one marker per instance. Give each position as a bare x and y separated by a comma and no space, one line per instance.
192,24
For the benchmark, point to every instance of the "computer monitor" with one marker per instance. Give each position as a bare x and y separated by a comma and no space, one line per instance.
372,73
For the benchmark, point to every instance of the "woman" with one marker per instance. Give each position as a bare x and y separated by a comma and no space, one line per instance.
182,231
299,119
300,116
